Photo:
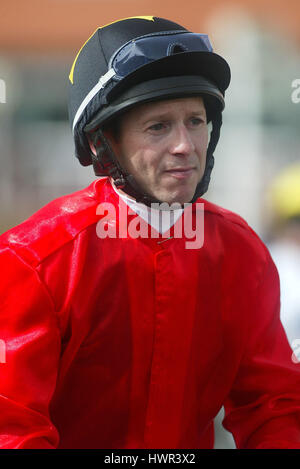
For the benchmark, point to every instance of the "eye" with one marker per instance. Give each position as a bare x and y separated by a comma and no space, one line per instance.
196,121
158,127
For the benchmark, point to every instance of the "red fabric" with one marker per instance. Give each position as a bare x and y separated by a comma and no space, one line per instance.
132,343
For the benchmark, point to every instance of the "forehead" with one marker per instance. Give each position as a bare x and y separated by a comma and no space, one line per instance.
191,105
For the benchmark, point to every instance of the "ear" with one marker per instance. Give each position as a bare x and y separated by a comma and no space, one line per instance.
92,146
94,141
108,134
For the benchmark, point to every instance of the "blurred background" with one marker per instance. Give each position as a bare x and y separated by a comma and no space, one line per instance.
257,171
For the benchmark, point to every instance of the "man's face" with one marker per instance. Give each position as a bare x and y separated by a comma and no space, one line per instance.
163,145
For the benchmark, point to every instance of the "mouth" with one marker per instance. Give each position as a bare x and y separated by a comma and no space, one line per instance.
180,173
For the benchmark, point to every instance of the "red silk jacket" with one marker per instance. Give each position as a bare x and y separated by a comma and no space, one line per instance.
137,343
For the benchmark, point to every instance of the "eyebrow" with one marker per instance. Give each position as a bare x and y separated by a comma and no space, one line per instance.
165,115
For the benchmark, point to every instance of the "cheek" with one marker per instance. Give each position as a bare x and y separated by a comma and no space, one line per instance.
137,161
141,155
146,161
204,139
130,151
203,144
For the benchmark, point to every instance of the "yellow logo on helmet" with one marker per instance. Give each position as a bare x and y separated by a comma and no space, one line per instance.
71,75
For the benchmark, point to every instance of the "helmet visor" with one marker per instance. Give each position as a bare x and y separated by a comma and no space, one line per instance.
145,49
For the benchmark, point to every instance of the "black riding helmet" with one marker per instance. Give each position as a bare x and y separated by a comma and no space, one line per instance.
134,61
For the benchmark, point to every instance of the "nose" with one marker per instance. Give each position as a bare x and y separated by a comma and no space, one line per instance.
182,143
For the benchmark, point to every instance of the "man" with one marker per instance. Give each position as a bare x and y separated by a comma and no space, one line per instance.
118,333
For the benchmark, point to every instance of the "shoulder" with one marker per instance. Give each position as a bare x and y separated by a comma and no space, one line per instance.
242,254
232,229
56,224
222,215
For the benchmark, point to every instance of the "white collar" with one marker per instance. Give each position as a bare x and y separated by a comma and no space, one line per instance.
160,220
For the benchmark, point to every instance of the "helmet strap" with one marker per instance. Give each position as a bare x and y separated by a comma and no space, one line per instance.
202,187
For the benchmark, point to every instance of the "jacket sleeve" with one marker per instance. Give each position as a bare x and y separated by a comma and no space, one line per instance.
263,407
30,349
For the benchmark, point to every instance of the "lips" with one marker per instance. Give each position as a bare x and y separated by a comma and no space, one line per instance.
180,173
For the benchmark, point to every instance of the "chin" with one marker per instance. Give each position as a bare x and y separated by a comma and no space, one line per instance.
176,197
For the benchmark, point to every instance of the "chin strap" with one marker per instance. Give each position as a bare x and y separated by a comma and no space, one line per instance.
105,163
202,187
